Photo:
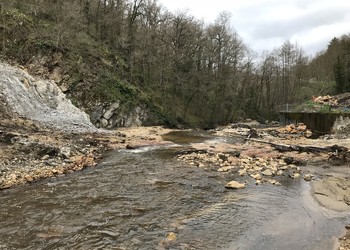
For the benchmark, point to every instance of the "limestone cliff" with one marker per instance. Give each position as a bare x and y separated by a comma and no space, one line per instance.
39,100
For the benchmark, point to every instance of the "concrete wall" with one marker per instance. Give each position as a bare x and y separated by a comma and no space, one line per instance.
317,122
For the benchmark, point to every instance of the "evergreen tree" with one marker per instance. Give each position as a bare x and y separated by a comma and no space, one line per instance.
339,75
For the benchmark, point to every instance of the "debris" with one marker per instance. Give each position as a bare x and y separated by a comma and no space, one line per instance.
300,148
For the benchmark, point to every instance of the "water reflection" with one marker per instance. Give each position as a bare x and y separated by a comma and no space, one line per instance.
186,137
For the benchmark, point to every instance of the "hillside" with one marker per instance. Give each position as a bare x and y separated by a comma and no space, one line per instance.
134,62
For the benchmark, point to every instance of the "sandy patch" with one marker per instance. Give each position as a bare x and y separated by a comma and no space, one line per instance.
333,193
144,136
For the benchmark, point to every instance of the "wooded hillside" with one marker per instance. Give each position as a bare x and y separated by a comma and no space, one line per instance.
182,70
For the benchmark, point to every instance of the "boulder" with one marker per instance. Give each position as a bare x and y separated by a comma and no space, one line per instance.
96,114
308,177
279,173
108,114
104,122
57,74
256,176
111,111
267,172
294,175
225,169
273,182
242,172
235,185
65,152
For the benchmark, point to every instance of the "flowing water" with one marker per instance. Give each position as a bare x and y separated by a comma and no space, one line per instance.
146,199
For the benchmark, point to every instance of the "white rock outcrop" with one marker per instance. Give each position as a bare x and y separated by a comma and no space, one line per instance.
40,100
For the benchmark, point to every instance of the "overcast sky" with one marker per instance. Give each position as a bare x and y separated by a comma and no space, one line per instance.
266,24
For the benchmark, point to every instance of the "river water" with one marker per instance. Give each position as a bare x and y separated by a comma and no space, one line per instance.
146,199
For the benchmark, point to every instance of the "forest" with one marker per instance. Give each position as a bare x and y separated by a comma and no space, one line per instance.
183,70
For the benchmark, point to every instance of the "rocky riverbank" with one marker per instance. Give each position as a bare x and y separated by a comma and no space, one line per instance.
30,151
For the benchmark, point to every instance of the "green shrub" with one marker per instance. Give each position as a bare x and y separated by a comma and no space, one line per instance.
111,89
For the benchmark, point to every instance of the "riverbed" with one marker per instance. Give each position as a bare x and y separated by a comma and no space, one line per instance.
147,199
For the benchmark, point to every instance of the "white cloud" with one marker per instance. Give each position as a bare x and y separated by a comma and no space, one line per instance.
265,24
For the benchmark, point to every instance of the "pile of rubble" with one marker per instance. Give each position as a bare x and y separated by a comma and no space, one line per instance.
339,102
296,129
326,100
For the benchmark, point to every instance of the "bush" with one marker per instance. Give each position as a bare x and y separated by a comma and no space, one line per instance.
111,89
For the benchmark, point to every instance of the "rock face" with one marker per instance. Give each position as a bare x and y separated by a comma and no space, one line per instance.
115,115
341,126
40,100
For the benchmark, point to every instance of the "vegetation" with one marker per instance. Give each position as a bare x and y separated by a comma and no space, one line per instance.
310,106
135,51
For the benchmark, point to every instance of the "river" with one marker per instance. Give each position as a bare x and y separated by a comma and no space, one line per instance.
147,199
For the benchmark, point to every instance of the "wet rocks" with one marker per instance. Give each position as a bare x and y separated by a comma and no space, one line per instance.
256,176
294,175
171,236
260,169
308,177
